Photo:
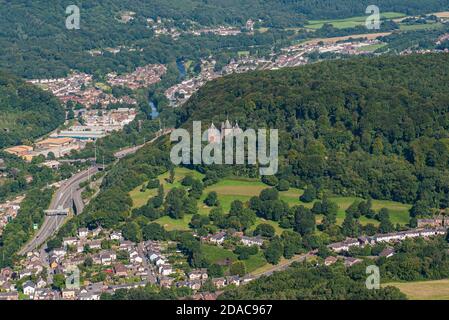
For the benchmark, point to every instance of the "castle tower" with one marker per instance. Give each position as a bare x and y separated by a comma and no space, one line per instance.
213,134
236,130
226,129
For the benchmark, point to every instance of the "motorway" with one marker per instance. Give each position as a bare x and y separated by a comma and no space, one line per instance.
69,193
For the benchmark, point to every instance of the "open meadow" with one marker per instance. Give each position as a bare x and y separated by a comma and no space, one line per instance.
243,189
424,290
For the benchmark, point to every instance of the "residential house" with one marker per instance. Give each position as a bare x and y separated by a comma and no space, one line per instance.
116,236
96,232
7,287
83,233
252,241
89,296
94,244
350,261
165,282
233,280
59,252
9,296
45,294
69,294
159,261
218,238
330,260
199,274
29,288
195,285
387,253
107,257
165,270
41,283
344,245
120,270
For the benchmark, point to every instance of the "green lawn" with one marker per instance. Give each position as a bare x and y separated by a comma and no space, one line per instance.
215,254
175,224
350,22
424,290
414,27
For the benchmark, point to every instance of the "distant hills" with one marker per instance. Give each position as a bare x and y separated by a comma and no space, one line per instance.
35,43
26,112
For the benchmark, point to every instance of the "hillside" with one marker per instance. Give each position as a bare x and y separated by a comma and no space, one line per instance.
26,111
35,43
365,127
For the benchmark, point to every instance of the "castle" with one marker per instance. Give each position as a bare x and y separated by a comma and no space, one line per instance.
215,136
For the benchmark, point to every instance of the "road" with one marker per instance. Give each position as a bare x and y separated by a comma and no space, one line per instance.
125,152
285,265
69,193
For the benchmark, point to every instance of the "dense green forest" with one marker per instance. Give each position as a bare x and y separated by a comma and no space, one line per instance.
35,43
307,282
367,127
26,111
18,232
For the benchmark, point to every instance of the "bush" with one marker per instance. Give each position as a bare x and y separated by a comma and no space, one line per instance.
265,230
309,195
283,185
270,180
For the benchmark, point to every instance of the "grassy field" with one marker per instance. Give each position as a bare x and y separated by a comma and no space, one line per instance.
424,290
426,26
232,189
372,47
350,22
215,254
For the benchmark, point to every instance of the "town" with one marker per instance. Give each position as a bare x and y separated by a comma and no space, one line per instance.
101,261
292,56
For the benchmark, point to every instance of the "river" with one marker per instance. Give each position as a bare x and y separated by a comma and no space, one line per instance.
181,68
154,112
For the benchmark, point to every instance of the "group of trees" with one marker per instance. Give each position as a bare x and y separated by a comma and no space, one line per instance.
305,281
27,112
18,231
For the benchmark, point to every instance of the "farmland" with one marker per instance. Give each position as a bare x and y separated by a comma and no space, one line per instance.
350,22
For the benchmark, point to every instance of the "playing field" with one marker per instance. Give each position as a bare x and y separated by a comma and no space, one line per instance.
424,290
